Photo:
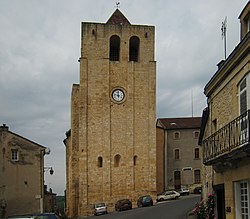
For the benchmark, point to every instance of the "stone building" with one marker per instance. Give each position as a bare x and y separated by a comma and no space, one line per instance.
21,174
178,153
110,148
49,200
225,130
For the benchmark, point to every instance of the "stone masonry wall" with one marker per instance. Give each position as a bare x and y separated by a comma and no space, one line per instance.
104,128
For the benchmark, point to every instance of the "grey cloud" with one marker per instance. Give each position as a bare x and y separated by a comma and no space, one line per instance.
40,46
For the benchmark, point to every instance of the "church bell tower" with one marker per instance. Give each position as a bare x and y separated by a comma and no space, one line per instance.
111,151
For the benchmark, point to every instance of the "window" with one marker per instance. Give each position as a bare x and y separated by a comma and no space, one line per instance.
117,160
214,125
242,199
177,179
196,153
243,107
197,176
135,160
243,96
14,155
176,135
99,162
196,134
134,44
247,23
114,48
176,154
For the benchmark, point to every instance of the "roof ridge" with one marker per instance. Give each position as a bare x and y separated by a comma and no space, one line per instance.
118,18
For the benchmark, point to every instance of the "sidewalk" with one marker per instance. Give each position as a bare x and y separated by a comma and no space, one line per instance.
191,215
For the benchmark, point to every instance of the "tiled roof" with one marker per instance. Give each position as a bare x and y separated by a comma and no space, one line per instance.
118,18
180,123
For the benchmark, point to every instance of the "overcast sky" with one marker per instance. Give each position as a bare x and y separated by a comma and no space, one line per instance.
40,46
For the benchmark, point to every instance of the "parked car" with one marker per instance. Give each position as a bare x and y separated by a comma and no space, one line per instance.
22,217
145,200
184,191
197,190
100,208
168,195
123,204
46,216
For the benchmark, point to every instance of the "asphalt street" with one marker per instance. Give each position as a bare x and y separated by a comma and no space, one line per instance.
173,209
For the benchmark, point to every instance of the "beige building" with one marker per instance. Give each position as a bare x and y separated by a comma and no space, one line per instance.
111,148
178,153
225,130
21,174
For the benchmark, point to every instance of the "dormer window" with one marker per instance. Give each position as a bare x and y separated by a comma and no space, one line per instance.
245,20
245,25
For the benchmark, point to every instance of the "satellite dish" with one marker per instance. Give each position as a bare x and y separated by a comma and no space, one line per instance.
47,151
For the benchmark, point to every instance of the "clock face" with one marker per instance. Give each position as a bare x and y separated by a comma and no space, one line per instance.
118,95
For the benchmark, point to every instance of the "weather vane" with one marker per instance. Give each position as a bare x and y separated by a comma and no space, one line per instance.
224,35
117,5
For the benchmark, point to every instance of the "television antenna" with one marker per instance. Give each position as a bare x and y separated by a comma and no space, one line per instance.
224,35
192,103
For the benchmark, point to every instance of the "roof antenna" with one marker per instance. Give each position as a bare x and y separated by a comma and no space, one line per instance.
224,35
192,103
117,5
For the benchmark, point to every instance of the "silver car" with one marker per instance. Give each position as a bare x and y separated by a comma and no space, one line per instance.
100,208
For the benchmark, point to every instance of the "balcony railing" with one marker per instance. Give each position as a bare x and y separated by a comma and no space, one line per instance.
233,136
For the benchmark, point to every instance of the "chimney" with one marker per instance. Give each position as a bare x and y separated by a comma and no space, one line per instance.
4,127
220,64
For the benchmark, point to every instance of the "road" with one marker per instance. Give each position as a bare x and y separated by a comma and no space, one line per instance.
173,209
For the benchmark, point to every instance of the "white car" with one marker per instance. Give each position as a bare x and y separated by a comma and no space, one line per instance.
168,195
100,208
184,191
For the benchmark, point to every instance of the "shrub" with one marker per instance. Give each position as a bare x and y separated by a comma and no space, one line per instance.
205,210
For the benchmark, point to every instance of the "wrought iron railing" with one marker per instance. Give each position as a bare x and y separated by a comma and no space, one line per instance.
231,137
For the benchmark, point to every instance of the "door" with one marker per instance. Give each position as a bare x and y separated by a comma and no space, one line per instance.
220,201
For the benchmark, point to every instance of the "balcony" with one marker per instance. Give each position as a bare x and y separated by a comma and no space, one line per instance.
225,147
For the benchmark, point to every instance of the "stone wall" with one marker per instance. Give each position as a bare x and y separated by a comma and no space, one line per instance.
102,128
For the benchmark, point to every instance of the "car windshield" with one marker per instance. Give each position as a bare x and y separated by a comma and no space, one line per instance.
21,217
100,205
146,198
46,216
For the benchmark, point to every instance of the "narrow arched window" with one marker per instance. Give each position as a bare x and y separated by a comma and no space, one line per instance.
114,48
135,160
196,153
117,160
99,162
197,176
177,154
134,44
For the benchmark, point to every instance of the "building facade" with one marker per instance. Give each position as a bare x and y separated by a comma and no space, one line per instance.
225,130
111,148
21,174
178,153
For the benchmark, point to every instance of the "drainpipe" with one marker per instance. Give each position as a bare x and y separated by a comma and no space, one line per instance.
165,159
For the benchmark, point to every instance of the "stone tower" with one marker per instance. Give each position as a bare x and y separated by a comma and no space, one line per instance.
111,147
